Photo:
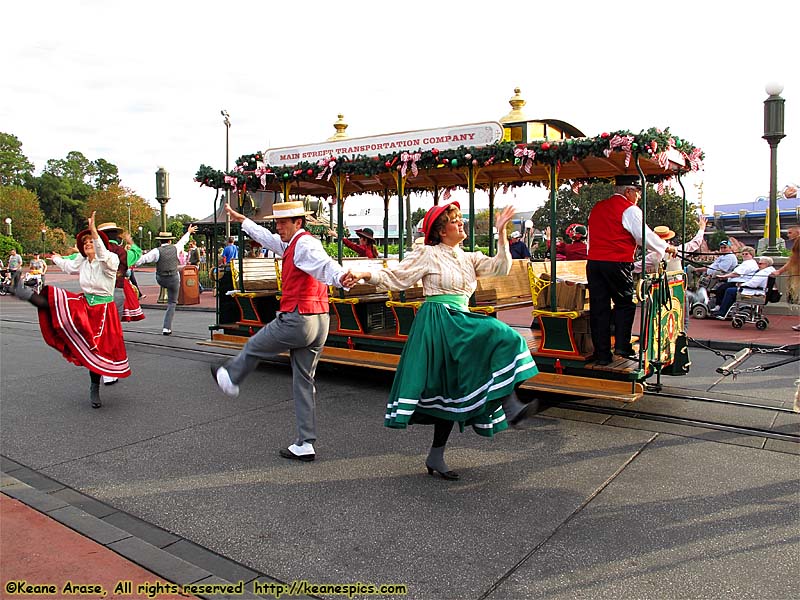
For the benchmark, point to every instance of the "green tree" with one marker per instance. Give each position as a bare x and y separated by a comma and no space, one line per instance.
105,174
27,220
111,204
6,244
65,185
15,168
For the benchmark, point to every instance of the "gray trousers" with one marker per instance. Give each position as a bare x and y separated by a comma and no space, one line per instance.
303,336
173,285
119,300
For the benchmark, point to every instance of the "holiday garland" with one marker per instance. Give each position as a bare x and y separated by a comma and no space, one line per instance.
251,173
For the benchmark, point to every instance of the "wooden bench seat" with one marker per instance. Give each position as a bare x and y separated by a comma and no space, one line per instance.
361,309
499,292
257,302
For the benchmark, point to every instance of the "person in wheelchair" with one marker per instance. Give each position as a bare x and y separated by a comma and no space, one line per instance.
755,286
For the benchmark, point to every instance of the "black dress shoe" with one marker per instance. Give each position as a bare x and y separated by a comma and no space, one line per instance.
519,417
286,453
449,475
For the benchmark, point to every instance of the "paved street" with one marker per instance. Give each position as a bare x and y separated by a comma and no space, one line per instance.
572,506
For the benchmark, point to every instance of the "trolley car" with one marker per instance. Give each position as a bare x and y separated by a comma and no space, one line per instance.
369,328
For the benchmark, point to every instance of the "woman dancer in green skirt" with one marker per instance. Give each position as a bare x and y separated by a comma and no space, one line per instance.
456,366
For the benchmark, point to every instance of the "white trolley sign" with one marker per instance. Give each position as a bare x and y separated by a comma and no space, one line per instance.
445,138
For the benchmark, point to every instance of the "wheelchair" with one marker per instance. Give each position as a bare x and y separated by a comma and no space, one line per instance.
750,309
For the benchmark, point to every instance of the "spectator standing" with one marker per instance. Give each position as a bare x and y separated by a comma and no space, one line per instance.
39,265
14,267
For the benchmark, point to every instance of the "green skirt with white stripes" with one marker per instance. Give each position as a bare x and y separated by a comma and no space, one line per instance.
458,366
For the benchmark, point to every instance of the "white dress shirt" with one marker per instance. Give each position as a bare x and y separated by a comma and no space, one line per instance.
97,276
309,255
154,254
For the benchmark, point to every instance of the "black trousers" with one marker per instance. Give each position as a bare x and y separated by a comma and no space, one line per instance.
610,281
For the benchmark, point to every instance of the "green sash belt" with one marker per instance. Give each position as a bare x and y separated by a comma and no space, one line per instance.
94,299
456,301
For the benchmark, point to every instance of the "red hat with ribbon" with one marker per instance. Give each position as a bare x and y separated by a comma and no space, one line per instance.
431,216
81,238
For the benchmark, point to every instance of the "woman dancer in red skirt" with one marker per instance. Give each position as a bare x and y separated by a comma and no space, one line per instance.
85,327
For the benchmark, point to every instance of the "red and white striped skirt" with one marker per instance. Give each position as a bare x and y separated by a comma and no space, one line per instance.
88,336
131,310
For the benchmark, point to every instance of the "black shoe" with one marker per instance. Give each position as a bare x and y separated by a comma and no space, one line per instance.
166,331
449,475
519,417
285,453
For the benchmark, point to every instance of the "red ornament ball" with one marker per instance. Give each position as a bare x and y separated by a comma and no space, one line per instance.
545,146
434,151
310,172
387,164
604,134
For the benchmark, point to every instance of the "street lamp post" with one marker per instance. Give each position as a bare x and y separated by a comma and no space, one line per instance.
44,235
128,203
140,236
162,196
8,226
227,121
149,240
773,133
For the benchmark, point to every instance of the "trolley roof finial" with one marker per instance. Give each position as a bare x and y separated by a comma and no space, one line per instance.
516,114
340,127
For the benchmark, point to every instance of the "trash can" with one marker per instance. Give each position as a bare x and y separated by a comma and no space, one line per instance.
189,292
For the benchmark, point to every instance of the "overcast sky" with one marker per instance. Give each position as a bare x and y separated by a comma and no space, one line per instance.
141,84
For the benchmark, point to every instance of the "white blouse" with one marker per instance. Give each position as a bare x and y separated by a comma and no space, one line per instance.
443,270
97,276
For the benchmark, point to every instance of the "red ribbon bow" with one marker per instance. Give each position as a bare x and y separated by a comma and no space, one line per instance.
232,181
695,162
623,143
406,158
526,155
327,165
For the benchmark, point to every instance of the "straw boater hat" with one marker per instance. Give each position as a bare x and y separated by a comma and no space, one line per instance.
165,236
110,226
80,238
366,233
664,232
431,216
283,210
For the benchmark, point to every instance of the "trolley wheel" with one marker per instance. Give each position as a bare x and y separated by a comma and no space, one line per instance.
737,323
700,311
762,324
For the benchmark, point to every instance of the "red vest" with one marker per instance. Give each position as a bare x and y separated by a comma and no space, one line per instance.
609,239
299,289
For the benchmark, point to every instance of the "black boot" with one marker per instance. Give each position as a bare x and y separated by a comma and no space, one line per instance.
94,394
22,291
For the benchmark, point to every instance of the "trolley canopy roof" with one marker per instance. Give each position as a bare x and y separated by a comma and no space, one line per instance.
448,157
